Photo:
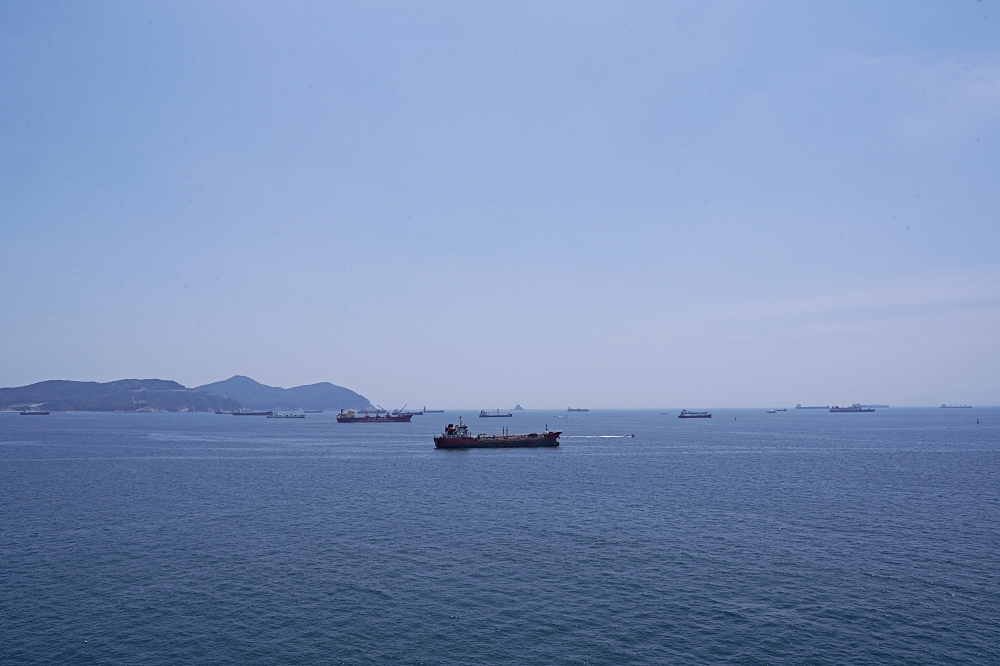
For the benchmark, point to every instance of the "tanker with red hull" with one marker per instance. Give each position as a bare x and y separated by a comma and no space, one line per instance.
350,416
459,437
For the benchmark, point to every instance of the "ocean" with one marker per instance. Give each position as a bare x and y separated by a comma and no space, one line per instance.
750,538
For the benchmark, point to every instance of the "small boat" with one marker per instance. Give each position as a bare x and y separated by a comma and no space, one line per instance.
34,412
490,415
685,414
772,411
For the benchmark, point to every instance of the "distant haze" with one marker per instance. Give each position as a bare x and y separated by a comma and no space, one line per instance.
470,205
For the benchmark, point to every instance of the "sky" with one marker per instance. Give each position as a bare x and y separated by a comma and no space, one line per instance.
605,205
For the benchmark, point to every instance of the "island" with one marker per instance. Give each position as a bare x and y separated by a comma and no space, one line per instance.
312,397
124,395
162,395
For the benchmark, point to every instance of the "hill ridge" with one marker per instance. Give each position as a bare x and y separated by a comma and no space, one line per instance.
254,395
122,395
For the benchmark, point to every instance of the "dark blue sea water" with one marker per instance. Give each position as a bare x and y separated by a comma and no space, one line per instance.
798,537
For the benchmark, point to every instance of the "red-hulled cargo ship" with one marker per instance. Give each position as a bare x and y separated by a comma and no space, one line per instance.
458,437
349,416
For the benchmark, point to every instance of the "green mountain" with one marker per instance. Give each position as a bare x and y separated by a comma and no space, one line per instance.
124,395
254,395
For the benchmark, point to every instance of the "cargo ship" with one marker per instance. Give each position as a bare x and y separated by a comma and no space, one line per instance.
402,410
241,412
34,412
813,407
856,407
457,436
490,415
943,406
286,416
350,416
433,411
685,414
570,409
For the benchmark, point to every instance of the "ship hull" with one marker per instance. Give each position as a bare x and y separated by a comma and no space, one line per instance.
694,416
498,441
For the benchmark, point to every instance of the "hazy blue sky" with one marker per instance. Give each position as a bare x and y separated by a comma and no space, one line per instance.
471,204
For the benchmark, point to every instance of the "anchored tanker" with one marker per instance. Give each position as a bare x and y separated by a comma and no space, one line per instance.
458,437
487,415
350,416
853,408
